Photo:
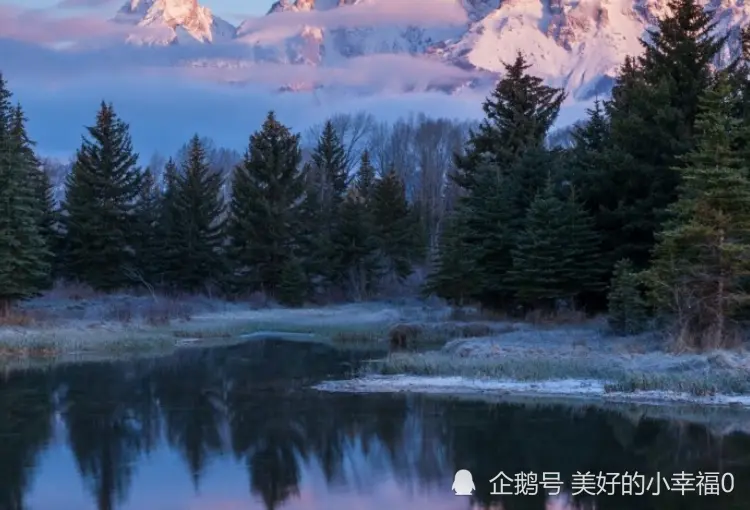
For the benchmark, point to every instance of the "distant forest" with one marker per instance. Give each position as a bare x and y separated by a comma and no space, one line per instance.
642,209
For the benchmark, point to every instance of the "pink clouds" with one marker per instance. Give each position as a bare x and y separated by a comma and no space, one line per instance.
41,27
421,12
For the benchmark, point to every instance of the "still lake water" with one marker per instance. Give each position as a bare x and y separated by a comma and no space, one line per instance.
237,427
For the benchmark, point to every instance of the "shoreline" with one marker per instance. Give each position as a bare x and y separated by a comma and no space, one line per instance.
66,338
576,389
586,390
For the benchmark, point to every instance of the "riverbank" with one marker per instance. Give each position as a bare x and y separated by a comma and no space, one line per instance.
572,361
446,352
53,329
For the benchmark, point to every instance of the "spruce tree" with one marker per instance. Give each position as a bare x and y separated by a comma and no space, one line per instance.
395,225
656,99
168,231
453,275
504,165
356,243
293,284
148,248
328,175
555,255
365,182
99,207
594,171
702,257
45,209
518,114
267,195
627,308
23,254
49,221
195,251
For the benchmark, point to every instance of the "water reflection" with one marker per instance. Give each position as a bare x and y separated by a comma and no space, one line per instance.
236,428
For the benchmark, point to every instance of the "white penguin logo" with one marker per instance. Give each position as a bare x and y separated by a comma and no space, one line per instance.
463,483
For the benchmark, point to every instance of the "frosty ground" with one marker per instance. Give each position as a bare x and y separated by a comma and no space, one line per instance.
449,354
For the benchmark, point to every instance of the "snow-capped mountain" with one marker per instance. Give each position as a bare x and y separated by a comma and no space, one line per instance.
172,22
577,44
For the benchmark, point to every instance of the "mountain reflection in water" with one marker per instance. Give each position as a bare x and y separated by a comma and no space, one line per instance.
238,428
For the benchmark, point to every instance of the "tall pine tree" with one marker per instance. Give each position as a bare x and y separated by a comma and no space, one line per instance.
99,208
329,179
195,261
702,258
396,227
149,239
23,254
656,99
264,222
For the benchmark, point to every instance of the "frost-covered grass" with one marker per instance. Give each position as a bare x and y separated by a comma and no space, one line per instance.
614,374
698,383
521,368
72,328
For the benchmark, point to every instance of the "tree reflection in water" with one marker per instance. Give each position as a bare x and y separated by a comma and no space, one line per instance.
251,403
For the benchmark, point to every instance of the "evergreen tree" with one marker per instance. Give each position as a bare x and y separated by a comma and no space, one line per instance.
395,225
593,170
168,229
703,253
328,173
518,114
453,276
356,243
656,99
293,284
504,165
267,196
195,257
43,193
627,308
49,221
23,254
555,255
365,182
100,199
148,248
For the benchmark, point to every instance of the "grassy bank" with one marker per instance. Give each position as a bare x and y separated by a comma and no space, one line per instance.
619,375
57,328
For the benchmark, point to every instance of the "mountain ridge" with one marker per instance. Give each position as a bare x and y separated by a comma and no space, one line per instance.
575,44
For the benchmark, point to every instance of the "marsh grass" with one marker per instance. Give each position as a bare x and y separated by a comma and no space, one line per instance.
524,368
698,383
538,368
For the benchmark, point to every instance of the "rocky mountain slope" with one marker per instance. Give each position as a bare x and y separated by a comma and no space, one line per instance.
173,22
578,44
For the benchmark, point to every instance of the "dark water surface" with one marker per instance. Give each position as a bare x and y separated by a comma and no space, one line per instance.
237,428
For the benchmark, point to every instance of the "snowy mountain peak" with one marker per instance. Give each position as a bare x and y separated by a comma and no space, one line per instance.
172,22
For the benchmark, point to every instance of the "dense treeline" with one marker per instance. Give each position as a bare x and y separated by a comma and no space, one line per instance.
645,211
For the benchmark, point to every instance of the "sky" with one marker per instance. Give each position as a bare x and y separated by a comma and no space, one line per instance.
62,63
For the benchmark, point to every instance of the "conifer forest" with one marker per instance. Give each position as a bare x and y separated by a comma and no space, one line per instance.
641,210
